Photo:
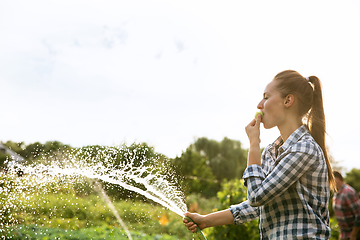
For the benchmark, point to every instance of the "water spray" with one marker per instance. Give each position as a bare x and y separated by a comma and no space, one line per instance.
100,189
100,166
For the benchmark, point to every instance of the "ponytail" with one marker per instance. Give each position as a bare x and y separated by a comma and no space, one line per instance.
309,93
317,126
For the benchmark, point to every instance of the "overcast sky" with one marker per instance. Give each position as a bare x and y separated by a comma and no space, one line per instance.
166,72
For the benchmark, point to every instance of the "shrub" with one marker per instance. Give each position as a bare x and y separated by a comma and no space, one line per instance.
233,192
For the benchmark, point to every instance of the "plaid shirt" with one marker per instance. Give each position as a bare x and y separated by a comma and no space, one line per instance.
289,193
346,205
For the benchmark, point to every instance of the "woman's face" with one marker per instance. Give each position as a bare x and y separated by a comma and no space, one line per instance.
272,105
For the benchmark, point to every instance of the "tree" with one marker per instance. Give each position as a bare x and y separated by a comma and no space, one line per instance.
33,151
197,174
15,146
3,160
206,163
352,178
226,158
54,146
139,159
36,150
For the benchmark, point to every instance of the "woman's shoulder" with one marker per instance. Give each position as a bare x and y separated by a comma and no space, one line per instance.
306,144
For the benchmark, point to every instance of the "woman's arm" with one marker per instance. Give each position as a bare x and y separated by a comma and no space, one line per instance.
219,218
236,214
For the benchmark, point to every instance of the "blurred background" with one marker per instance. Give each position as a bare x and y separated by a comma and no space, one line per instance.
168,72
168,82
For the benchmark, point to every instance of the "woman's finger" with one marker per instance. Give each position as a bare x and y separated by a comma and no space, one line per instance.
258,120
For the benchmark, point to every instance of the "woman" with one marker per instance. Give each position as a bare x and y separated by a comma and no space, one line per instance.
289,185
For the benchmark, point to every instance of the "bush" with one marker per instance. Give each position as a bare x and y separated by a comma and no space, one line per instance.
335,231
233,192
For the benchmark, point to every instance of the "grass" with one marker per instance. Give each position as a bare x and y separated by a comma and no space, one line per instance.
59,211
94,233
68,214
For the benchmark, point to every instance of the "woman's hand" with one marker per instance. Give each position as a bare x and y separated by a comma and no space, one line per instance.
253,130
223,217
199,219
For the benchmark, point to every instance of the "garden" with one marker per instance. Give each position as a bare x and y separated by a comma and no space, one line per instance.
74,206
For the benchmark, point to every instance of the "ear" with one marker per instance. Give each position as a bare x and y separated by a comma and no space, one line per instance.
289,100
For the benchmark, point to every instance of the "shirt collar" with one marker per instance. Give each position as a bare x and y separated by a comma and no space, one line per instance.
280,146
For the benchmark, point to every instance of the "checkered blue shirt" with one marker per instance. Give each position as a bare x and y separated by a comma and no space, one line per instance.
289,193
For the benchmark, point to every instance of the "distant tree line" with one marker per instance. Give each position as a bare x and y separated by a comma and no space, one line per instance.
206,163
202,168
35,150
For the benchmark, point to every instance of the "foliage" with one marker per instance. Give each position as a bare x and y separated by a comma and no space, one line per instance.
95,233
57,206
198,177
3,160
36,150
201,168
206,163
352,178
227,159
15,146
75,209
196,203
335,231
136,155
234,192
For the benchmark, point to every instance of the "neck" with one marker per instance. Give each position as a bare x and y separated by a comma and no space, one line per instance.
339,185
287,130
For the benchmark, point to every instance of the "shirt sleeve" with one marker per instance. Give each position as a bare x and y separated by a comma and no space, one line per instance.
290,167
243,212
353,202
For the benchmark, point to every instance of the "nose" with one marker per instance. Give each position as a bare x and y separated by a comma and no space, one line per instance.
260,105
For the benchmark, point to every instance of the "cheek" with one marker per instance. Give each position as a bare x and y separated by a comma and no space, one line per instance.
272,105
270,110
268,106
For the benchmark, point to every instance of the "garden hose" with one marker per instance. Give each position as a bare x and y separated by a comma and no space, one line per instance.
199,234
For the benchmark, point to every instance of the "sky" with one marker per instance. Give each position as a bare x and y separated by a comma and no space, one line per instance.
86,72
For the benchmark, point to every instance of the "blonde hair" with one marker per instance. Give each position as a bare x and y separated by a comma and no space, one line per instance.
309,94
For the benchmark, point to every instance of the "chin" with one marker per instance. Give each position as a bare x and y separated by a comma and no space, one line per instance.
266,126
